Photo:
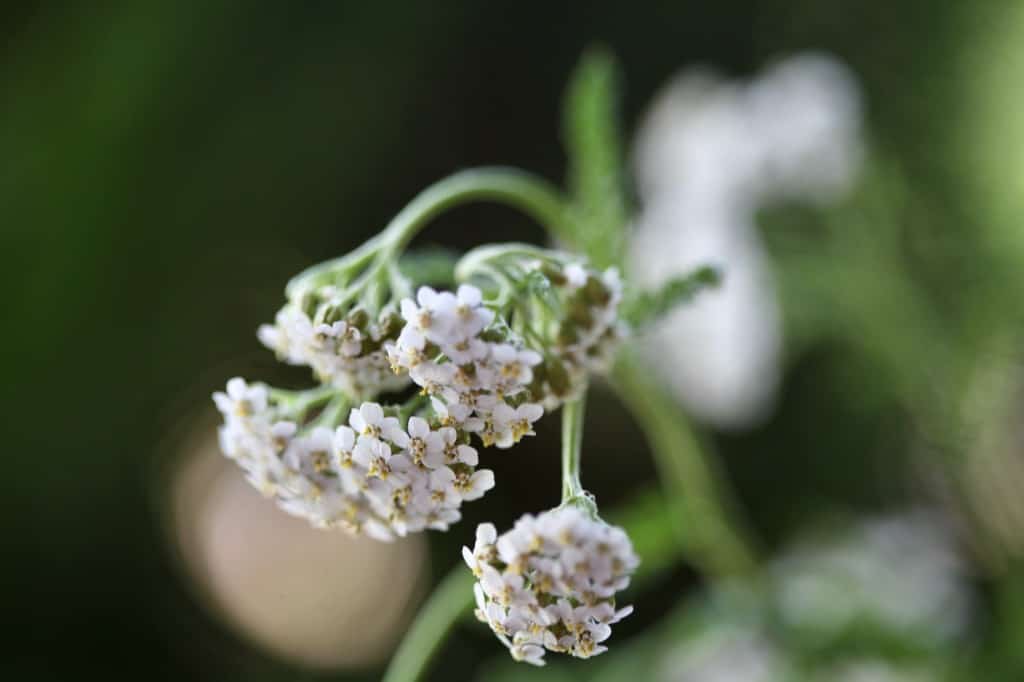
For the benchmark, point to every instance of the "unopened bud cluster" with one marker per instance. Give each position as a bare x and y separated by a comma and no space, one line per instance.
371,476
549,584
588,329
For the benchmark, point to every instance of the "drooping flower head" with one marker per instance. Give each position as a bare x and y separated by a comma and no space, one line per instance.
549,584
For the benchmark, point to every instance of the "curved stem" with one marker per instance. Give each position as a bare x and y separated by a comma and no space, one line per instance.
572,444
447,603
529,193
706,522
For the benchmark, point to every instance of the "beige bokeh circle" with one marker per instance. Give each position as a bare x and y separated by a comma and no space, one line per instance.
314,597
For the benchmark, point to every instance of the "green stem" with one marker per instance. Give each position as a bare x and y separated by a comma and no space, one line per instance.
297,403
334,412
706,523
448,602
572,444
529,193
412,406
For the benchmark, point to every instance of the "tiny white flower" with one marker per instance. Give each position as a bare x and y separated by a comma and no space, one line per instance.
514,366
473,486
528,653
433,377
455,452
241,399
369,420
470,316
483,549
425,447
466,350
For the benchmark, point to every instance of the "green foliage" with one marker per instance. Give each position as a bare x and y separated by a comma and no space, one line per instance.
596,177
644,308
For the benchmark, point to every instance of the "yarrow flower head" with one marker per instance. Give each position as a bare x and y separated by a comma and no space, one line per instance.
549,584
343,348
372,475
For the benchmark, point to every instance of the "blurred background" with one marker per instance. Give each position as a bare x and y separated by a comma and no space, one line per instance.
167,166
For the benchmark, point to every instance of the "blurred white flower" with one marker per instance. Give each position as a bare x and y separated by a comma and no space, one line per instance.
871,670
724,654
900,573
708,155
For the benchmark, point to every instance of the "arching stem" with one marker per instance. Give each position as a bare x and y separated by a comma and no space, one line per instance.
529,193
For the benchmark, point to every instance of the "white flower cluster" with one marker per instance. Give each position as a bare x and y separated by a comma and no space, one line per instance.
347,353
900,573
475,383
550,582
372,476
710,154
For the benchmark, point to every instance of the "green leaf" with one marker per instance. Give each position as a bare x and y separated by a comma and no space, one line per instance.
593,143
646,307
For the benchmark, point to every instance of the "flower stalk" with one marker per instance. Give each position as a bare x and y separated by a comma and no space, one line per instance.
572,445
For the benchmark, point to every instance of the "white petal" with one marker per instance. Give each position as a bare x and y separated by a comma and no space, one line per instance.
372,413
418,427
426,297
236,388
469,295
486,534
468,455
